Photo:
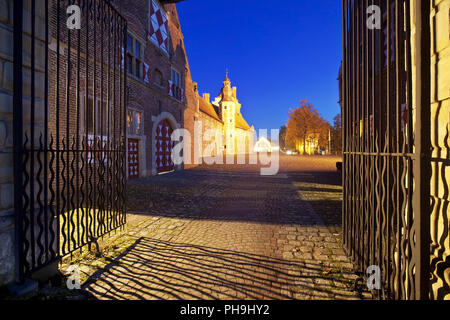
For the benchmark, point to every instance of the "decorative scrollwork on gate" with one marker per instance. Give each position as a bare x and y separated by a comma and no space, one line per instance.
71,170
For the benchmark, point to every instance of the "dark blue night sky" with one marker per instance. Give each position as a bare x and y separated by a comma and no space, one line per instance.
277,53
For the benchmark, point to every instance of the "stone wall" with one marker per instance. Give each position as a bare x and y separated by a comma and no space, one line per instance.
7,258
440,141
209,123
6,143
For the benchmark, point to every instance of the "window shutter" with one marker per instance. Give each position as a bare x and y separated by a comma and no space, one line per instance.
159,28
146,73
122,57
170,89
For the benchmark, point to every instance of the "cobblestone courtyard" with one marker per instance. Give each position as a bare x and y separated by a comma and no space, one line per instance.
226,232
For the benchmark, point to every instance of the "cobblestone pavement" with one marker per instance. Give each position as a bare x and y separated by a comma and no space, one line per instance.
226,232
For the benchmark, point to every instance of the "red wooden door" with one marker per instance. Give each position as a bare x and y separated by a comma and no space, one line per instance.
133,158
164,146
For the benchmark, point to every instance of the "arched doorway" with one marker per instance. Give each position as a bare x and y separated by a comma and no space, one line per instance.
163,147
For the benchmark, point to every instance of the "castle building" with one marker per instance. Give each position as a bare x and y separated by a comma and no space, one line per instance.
161,95
121,83
159,85
224,114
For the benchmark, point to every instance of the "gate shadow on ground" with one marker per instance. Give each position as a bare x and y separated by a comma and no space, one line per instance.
333,178
154,269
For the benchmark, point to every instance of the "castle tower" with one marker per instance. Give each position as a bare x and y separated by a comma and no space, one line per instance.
227,104
236,130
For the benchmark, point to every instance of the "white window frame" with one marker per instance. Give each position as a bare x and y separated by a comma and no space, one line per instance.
134,58
83,130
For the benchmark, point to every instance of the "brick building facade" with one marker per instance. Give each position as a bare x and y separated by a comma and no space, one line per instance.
160,92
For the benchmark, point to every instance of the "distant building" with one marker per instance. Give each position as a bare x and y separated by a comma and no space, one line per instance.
265,145
224,114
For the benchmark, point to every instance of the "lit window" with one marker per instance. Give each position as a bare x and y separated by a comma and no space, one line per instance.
129,120
134,122
138,122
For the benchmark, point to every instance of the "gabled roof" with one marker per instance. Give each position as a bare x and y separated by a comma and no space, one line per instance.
208,108
264,139
241,123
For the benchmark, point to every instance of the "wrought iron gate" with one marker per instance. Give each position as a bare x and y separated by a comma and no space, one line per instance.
69,127
386,143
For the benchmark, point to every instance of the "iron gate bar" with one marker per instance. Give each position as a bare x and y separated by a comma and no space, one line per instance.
46,226
17,135
409,141
86,102
422,166
372,149
57,103
32,154
398,282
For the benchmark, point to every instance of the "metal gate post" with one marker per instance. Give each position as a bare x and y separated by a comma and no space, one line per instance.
18,137
422,165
